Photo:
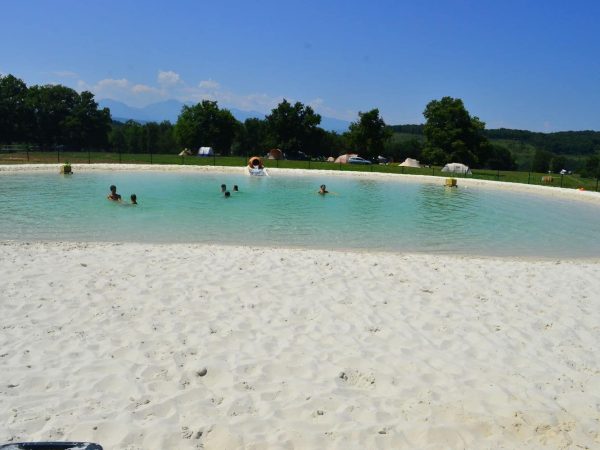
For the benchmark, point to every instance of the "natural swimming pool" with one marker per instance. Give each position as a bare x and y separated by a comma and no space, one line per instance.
360,213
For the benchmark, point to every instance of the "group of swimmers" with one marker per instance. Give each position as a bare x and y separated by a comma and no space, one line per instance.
226,193
113,196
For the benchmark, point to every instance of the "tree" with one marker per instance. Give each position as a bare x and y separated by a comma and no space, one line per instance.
206,125
541,161
369,134
251,138
14,114
86,125
501,159
292,128
591,167
452,135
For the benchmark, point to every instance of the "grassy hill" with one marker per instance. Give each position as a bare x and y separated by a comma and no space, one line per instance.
575,146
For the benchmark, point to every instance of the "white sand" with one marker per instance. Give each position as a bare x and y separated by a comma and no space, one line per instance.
302,349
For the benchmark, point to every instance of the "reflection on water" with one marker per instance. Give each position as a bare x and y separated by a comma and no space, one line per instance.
359,213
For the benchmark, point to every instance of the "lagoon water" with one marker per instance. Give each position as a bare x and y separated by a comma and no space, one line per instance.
382,215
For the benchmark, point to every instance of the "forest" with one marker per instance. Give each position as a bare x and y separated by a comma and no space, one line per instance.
52,116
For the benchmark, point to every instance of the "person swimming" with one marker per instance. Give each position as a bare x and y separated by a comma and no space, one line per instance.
323,190
223,188
113,194
235,188
227,194
133,199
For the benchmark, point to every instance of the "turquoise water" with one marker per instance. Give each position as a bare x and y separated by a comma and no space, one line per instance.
286,211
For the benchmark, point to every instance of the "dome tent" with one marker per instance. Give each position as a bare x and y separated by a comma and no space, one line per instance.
457,168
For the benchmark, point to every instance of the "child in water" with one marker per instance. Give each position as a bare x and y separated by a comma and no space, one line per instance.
133,199
323,190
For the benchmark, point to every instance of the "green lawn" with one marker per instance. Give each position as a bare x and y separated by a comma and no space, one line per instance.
567,181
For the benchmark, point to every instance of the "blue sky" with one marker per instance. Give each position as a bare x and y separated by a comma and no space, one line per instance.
516,64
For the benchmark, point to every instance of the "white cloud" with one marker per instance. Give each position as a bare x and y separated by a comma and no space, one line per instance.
208,84
168,78
109,83
144,89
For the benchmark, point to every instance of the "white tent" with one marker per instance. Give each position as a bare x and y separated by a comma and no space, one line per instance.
205,151
456,168
409,162
344,158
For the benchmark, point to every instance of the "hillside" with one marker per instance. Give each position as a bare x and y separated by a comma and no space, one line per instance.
574,145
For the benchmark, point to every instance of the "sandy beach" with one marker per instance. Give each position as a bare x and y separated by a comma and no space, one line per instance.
185,346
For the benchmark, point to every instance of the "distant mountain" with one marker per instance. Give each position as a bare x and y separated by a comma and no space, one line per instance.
170,109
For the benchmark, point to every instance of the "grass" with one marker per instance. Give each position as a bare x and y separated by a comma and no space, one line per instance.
566,181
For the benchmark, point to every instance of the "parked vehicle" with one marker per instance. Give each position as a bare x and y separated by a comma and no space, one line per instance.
358,160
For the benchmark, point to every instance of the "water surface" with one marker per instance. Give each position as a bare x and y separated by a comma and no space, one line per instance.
383,215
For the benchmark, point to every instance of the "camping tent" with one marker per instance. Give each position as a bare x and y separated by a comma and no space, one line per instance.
409,162
331,159
456,168
275,153
205,151
185,152
343,159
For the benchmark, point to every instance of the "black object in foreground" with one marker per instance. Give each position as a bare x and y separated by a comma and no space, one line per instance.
51,446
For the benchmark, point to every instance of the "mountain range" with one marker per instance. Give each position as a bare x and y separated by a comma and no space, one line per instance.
170,109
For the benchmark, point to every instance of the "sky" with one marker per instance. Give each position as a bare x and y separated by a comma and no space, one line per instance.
529,64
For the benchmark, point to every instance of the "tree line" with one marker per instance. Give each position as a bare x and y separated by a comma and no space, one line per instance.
51,115
55,115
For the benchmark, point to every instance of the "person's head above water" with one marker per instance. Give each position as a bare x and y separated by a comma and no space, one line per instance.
223,188
133,199
227,194
113,193
235,188
323,189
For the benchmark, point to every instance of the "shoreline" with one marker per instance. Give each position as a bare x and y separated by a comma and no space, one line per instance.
172,346
556,192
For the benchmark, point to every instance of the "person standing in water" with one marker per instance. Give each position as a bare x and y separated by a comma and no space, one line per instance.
323,190
133,199
113,194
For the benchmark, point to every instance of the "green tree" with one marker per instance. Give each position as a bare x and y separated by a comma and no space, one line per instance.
14,113
541,161
452,135
501,158
205,125
86,125
369,134
591,167
251,138
292,128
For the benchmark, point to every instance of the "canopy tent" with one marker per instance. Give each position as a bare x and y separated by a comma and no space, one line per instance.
275,153
205,151
343,159
409,162
456,168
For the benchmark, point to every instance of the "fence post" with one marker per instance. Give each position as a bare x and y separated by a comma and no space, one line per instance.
27,150
89,157
340,165
561,179
214,159
498,174
182,163
151,158
58,155
309,163
597,178
432,171
529,177
119,156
